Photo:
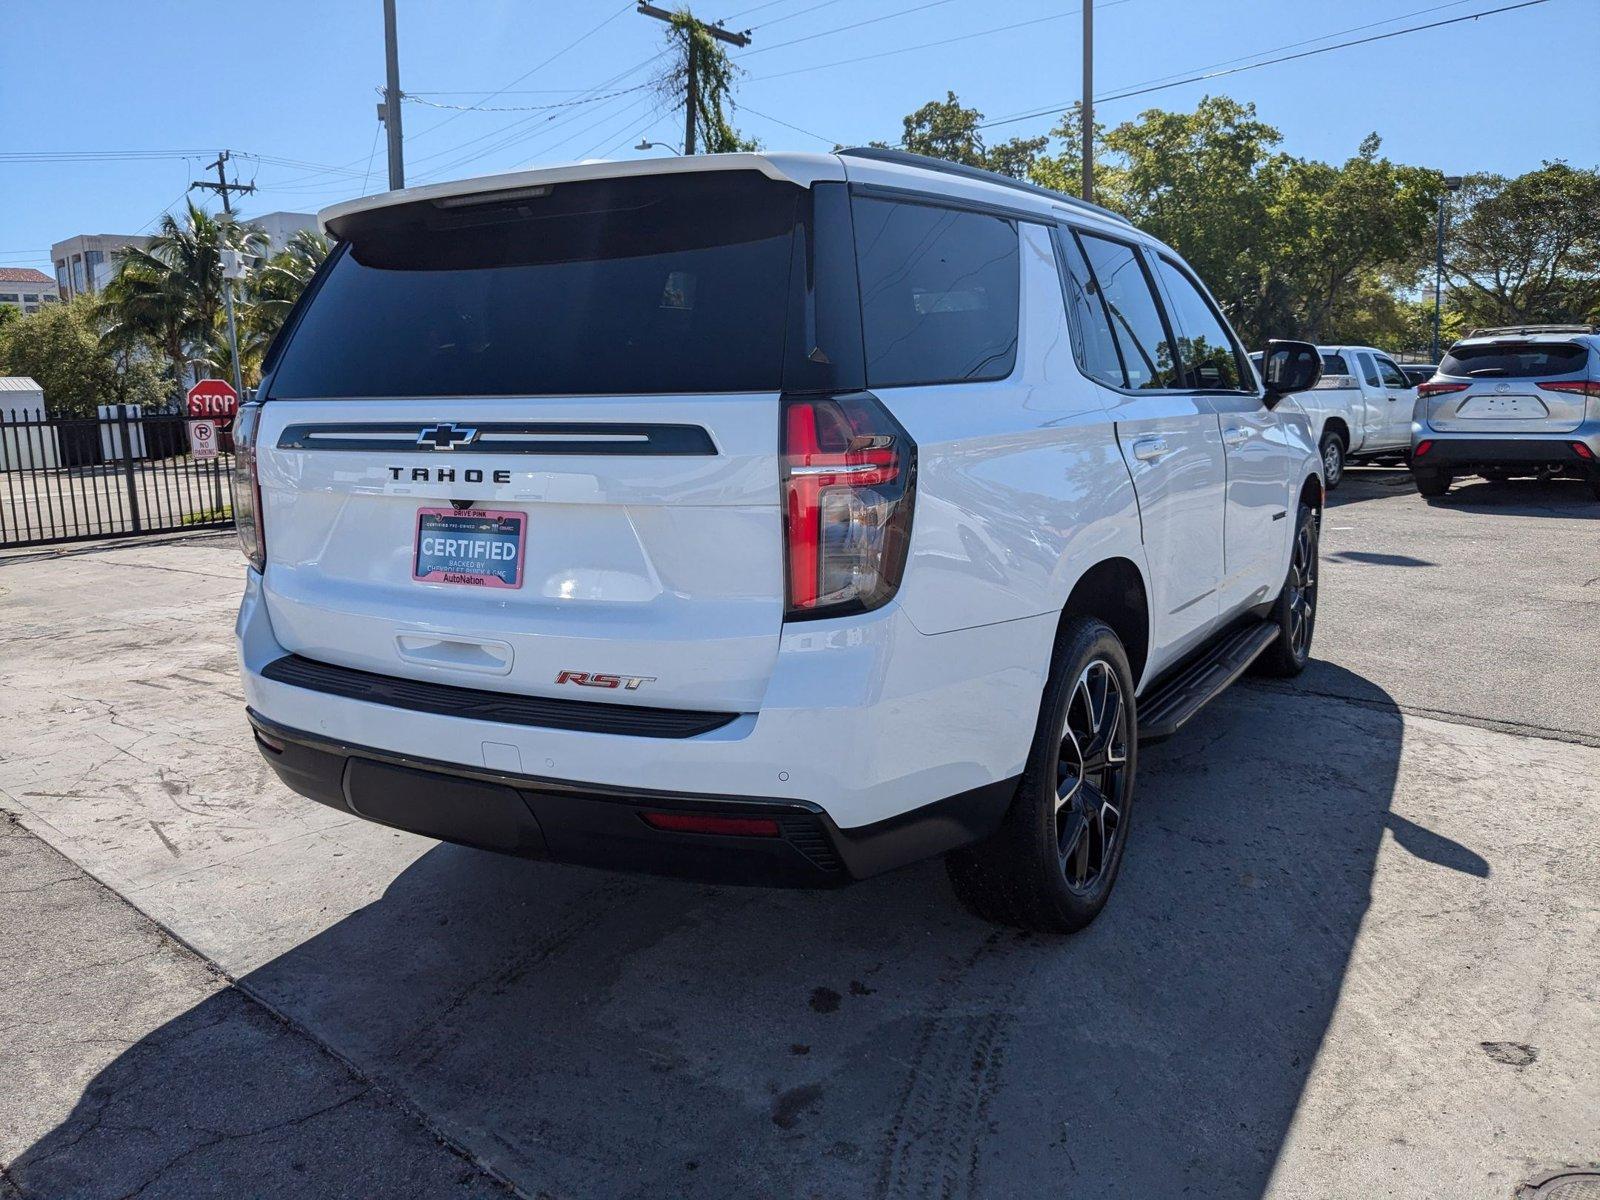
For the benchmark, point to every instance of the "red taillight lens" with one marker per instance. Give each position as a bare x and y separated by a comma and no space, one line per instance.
247,487
848,481
682,822
1576,387
1582,451
1422,448
1425,390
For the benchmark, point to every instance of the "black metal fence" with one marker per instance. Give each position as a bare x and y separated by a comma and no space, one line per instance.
68,479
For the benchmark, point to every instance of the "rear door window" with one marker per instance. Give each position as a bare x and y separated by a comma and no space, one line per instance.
1094,345
1135,313
661,284
1210,356
939,292
1528,360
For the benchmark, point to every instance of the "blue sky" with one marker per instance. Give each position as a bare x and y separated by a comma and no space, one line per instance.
294,81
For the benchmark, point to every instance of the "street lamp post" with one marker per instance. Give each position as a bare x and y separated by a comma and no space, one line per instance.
644,145
1452,184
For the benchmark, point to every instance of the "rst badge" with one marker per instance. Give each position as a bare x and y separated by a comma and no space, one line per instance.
631,683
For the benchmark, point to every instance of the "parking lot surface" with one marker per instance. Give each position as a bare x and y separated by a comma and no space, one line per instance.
1351,953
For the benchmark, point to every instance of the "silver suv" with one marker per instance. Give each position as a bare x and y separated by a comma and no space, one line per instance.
1508,402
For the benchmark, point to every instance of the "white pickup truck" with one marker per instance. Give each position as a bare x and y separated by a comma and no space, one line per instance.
1361,410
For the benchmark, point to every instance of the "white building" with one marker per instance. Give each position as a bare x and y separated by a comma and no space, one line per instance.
25,288
281,226
83,263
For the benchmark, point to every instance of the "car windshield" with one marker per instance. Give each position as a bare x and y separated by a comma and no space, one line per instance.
1524,360
664,284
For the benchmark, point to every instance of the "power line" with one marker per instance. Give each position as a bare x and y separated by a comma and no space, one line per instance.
1377,37
811,37
963,37
1227,62
786,125
416,98
804,12
532,70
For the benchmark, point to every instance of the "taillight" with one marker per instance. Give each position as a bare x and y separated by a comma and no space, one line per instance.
848,480
247,487
1424,390
1576,387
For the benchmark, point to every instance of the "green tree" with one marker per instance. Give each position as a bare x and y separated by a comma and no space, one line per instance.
170,293
714,74
61,348
1526,249
948,130
1336,226
1063,170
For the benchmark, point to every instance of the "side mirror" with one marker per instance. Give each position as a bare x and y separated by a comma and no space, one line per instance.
1288,367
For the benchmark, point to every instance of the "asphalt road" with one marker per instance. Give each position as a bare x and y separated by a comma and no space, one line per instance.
1351,952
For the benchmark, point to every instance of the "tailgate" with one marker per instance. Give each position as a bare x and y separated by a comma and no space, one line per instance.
653,558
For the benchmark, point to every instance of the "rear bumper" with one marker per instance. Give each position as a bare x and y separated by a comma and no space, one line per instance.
863,718
605,827
1462,452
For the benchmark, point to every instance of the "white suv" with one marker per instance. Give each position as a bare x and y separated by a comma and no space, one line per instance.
764,517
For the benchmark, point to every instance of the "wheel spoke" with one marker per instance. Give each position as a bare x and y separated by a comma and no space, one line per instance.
1090,775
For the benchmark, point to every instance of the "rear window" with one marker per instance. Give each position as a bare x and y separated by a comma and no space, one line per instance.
939,292
1334,364
1526,360
666,284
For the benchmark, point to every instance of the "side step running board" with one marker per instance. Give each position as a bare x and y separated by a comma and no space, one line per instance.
1169,707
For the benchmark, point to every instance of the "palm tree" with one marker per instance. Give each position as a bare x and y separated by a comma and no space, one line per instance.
171,292
278,282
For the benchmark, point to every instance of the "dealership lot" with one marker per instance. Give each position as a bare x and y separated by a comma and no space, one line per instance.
1352,951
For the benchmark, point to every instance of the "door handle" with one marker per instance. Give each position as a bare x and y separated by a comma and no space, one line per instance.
1236,435
1149,449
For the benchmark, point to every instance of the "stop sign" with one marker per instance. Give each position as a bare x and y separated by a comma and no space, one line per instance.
212,398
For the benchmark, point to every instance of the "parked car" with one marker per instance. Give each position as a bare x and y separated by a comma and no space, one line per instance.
772,518
1510,402
1361,409
1418,374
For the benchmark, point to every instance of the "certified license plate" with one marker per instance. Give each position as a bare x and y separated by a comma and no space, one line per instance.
479,547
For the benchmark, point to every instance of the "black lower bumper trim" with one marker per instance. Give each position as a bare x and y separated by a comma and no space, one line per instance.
602,826
1466,452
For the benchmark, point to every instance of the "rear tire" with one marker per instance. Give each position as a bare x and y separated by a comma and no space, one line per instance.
1594,485
1053,862
1333,459
1295,611
1432,483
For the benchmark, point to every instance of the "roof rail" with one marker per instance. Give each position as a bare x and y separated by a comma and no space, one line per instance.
1516,329
907,159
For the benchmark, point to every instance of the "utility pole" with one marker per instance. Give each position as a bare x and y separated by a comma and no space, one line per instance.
389,110
691,105
223,188
1452,184
1088,100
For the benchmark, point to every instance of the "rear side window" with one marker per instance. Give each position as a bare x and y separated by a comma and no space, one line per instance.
1369,369
663,284
1135,313
1527,360
939,292
1209,354
1094,345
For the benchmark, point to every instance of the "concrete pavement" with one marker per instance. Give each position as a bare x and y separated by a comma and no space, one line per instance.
1351,952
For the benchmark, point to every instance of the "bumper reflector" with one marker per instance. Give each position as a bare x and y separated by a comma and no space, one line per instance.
1422,448
683,822
1582,451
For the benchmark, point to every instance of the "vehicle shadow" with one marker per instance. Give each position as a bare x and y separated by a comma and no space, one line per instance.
587,1034
1569,499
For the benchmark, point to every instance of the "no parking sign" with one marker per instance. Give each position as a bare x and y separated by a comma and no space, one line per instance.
203,438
